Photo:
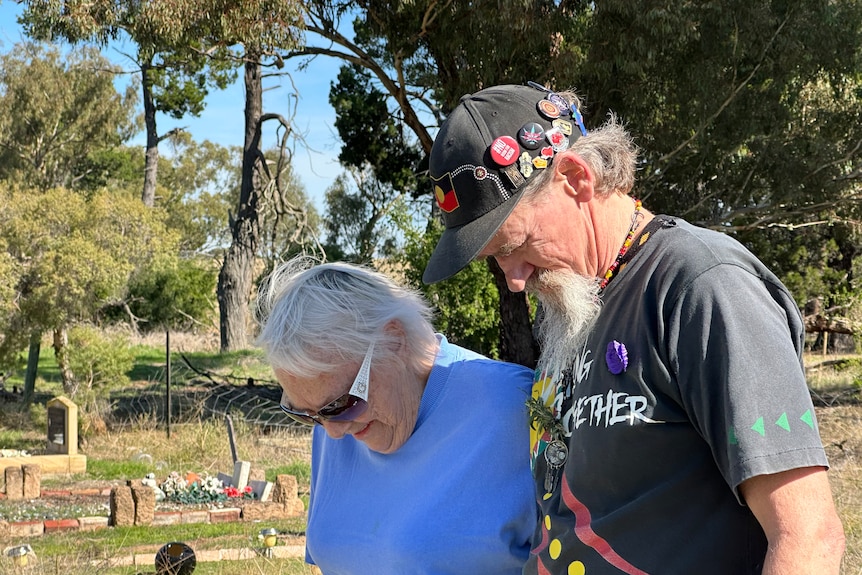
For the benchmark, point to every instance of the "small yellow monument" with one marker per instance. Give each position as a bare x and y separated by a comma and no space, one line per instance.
62,455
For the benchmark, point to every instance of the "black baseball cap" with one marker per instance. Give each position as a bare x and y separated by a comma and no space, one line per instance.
491,145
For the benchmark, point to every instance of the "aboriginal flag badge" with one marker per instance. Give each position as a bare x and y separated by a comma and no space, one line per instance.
444,193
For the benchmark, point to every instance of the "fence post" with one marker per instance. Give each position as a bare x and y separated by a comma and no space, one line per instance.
168,382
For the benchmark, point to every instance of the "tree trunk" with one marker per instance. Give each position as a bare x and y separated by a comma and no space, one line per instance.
32,367
517,344
61,353
151,161
236,276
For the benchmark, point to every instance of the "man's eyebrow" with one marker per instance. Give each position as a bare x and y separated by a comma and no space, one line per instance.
501,250
506,249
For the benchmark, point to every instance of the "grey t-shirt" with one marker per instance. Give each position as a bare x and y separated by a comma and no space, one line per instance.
713,393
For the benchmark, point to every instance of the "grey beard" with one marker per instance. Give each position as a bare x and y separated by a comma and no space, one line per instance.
571,306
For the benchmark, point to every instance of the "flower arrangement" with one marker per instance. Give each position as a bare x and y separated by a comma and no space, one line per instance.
234,493
205,488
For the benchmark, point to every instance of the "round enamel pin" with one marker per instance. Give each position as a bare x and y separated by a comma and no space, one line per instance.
504,151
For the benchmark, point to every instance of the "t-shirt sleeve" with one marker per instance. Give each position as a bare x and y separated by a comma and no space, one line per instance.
734,347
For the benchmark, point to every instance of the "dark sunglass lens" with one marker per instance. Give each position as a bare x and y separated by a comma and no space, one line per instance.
352,409
300,417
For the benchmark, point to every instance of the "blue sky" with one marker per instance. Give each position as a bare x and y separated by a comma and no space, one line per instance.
222,120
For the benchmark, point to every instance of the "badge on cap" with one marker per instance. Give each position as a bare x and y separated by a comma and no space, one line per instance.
548,109
525,164
579,120
504,151
444,193
561,103
540,163
558,140
516,180
563,125
531,135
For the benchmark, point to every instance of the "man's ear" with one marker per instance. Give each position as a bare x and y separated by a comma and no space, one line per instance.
577,174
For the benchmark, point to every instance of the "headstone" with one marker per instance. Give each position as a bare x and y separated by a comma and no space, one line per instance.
32,481
14,483
122,506
261,489
62,426
240,474
145,504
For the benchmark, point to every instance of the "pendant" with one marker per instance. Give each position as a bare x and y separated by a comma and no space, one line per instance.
556,454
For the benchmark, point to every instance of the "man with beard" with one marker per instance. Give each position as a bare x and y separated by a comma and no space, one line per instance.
672,428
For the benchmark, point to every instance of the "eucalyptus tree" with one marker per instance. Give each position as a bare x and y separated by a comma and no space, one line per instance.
183,47
176,70
258,30
290,223
198,183
381,164
749,116
59,115
69,256
425,55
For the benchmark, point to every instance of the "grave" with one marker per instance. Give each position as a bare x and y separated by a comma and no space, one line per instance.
62,457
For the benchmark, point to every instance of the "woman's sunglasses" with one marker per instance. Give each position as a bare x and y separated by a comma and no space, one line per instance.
347,407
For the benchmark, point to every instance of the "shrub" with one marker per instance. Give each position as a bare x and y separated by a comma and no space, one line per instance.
99,360
173,294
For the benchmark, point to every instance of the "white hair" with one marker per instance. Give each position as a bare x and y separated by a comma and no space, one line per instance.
316,317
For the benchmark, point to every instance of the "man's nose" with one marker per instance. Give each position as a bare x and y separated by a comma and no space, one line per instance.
517,272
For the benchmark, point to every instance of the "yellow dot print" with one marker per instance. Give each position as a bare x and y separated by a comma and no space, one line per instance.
576,568
548,522
555,548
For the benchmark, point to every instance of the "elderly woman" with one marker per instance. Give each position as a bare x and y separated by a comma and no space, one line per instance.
419,449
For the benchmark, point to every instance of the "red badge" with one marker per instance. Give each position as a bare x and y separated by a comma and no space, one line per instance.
557,139
504,151
444,193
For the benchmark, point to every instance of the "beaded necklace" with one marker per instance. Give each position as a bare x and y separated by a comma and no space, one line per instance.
626,245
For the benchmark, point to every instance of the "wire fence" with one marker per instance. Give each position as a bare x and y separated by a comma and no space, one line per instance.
198,393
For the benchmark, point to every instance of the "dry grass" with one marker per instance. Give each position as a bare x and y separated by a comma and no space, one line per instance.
841,428
201,446
836,385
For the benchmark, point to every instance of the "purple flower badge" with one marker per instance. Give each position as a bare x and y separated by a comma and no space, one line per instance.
617,357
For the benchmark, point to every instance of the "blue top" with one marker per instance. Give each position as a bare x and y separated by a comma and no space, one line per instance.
457,497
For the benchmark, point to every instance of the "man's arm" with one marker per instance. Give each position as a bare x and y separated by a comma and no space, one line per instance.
797,513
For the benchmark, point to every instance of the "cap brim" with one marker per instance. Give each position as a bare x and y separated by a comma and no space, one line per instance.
460,245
